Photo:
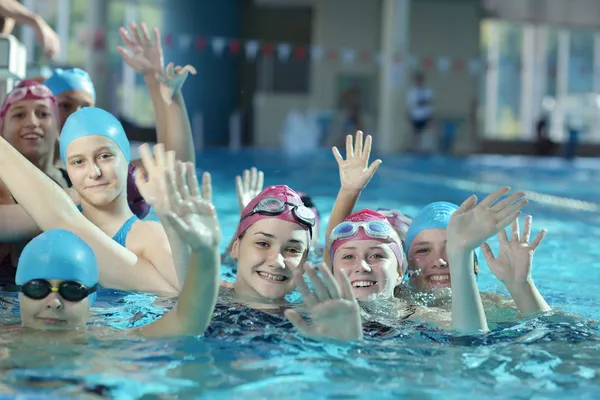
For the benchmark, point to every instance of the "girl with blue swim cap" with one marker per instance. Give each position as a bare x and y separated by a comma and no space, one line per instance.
133,254
429,264
58,273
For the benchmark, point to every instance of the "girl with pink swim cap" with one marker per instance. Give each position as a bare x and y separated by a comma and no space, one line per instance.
272,240
28,122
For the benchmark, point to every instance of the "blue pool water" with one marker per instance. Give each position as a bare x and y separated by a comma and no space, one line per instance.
253,356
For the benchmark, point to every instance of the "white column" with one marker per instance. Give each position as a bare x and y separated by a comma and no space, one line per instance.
540,77
63,22
491,81
527,79
392,126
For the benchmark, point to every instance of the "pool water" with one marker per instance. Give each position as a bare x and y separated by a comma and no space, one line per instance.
254,355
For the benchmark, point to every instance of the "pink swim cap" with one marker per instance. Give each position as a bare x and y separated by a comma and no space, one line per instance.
382,232
28,90
292,209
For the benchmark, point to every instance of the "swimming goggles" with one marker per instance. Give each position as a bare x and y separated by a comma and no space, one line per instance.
272,206
38,289
374,229
19,94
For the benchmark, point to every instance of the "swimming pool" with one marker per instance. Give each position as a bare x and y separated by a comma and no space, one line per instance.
261,357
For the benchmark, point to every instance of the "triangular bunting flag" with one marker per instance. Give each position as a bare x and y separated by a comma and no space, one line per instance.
284,50
443,64
184,41
317,52
218,45
348,56
251,49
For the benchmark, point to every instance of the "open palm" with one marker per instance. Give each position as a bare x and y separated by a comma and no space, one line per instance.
472,224
355,171
143,54
332,308
192,212
515,256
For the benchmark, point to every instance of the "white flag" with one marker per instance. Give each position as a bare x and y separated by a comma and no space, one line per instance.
218,45
474,66
443,64
348,56
284,50
316,52
251,49
184,41
413,61
378,58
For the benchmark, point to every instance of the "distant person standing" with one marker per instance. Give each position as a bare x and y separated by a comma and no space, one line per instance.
419,101
45,35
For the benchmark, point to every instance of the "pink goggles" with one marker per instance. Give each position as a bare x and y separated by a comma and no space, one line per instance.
375,229
25,93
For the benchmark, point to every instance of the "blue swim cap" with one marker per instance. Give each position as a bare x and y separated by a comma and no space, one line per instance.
58,254
432,216
71,79
90,121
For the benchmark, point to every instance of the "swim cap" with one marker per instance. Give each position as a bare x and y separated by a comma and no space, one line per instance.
58,254
399,221
71,79
89,121
28,90
279,192
432,216
392,239
136,202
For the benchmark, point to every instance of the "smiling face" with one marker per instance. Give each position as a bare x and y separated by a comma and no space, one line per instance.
427,260
53,312
30,127
371,266
97,168
262,254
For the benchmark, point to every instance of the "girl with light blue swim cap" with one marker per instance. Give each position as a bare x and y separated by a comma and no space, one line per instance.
95,149
429,267
58,279
73,89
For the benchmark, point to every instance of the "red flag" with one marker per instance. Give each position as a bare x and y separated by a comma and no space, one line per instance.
234,46
332,55
459,65
268,49
300,52
168,40
200,43
365,56
428,63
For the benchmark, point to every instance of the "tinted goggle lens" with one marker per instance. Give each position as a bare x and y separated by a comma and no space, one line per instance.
38,289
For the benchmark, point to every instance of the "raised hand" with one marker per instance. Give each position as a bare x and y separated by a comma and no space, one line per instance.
143,54
355,171
515,256
172,80
473,224
192,213
150,179
248,186
332,308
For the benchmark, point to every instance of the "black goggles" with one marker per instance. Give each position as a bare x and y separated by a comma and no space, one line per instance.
38,289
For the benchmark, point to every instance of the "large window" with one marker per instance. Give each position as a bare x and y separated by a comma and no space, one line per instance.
536,69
